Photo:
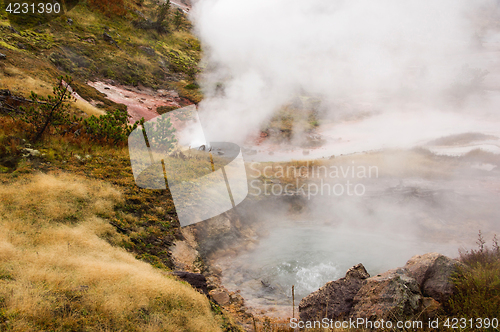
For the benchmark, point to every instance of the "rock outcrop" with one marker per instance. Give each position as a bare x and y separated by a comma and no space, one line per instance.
220,296
109,39
420,288
334,299
433,272
392,294
184,253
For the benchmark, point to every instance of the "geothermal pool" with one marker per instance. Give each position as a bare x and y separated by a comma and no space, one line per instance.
307,256
396,219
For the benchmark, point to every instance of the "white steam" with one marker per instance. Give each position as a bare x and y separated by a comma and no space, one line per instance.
383,52
413,72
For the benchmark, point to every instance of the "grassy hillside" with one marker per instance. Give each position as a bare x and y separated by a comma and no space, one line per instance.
78,44
59,272
82,248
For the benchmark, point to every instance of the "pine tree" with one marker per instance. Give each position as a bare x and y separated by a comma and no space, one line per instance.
50,111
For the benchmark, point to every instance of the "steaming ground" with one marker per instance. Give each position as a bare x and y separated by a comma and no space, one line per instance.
390,131
397,57
438,206
403,73
412,87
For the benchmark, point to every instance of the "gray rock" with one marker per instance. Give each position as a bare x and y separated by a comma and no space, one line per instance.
432,272
357,272
70,21
31,152
148,50
391,295
11,28
108,38
421,287
220,296
3,56
334,300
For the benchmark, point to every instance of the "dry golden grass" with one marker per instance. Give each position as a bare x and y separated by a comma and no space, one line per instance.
58,273
87,108
20,83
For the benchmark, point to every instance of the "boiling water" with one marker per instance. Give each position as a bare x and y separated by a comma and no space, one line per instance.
381,230
308,255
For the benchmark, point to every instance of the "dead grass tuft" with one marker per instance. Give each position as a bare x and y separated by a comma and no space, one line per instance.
45,198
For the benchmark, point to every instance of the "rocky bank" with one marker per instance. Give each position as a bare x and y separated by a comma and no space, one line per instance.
420,288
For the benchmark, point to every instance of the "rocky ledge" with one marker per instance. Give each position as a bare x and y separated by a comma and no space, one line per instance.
421,287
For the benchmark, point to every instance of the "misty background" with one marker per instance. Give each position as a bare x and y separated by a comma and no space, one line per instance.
412,87
383,56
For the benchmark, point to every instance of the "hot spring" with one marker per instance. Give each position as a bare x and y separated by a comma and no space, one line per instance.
397,218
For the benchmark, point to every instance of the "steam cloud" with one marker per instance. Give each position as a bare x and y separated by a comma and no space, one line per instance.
416,66
383,53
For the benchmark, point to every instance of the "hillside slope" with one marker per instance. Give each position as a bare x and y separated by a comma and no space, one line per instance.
82,248
91,42
58,272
